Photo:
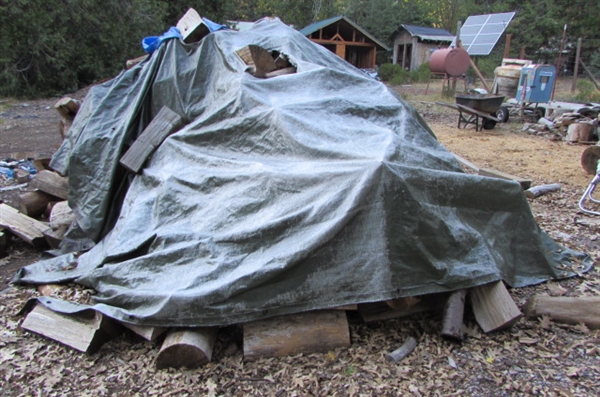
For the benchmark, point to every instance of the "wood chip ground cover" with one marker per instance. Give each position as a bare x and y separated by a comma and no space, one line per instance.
536,357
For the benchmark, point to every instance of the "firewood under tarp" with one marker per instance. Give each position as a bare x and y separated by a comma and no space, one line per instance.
493,307
187,347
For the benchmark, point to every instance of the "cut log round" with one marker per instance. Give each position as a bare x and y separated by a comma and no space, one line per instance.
589,159
61,215
187,347
493,307
34,203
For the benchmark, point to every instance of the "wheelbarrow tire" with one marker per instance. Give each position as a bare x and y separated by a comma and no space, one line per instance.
502,114
489,124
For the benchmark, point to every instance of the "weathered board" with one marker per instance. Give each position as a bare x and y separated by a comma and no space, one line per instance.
23,226
493,307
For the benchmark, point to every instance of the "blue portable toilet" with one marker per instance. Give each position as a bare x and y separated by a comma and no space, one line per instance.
536,83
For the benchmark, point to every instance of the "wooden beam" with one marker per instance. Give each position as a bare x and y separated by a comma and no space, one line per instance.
23,226
260,60
525,183
164,123
187,347
348,43
85,332
297,333
569,310
67,107
493,307
51,183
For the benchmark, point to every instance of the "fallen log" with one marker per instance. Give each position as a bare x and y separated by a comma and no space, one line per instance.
379,311
51,183
296,333
188,347
569,310
85,331
399,354
540,190
493,307
453,315
147,332
23,226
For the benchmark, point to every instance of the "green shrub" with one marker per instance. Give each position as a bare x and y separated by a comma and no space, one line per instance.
587,92
421,75
387,71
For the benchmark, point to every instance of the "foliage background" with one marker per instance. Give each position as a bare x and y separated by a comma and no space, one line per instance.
50,47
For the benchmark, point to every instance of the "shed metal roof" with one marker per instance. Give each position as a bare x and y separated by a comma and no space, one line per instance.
424,33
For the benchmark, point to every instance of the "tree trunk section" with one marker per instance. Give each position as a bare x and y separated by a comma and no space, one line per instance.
493,307
453,315
569,310
187,347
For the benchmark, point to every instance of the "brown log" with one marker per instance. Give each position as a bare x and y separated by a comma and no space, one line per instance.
61,215
525,183
34,203
379,311
23,226
51,183
21,176
67,107
187,347
147,332
296,333
85,332
452,325
493,307
399,354
55,236
403,303
164,123
569,310
192,27
540,190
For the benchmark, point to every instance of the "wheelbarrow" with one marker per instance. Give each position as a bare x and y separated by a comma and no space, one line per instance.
477,106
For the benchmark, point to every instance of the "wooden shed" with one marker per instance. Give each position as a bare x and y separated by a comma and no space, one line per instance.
348,40
413,45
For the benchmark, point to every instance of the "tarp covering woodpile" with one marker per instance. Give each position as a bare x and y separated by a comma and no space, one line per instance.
294,193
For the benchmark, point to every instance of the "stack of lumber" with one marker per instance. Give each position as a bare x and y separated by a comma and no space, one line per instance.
43,215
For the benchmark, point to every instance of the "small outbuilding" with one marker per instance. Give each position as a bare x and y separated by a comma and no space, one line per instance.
346,39
413,45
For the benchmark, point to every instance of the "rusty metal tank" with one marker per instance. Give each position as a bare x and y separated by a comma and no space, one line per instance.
451,61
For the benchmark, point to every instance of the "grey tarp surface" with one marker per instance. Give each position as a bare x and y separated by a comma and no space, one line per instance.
299,192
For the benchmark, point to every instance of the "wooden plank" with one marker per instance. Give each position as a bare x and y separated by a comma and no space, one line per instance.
192,27
493,307
51,183
132,62
281,72
297,333
147,332
187,347
260,60
23,226
466,162
525,183
85,332
569,310
379,311
164,123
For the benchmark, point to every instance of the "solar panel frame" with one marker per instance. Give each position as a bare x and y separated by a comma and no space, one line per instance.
480,33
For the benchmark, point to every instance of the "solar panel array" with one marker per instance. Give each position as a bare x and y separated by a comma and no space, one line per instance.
480,33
